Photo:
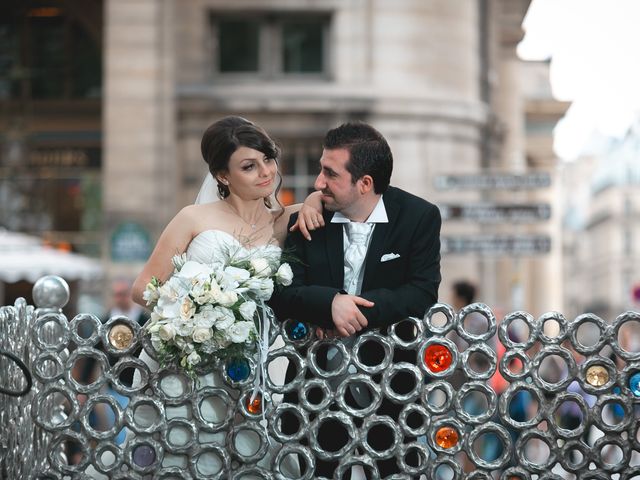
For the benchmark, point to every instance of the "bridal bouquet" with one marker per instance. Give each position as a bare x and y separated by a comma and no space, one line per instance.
208,311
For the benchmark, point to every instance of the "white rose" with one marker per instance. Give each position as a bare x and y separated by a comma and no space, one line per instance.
167,332
284,275
187,309
200,292
239,331
193,358
184,328
225,318
248,310
205,318
261,267
266,289
201,335
254,284
213,295
227,299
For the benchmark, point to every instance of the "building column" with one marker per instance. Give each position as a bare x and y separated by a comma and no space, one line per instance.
140,180
512,273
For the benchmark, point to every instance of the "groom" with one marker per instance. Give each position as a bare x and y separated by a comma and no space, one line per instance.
375,263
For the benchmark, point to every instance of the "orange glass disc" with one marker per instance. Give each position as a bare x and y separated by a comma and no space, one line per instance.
447,437
254,407
437,358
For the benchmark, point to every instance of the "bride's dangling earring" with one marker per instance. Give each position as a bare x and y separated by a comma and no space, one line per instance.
223,189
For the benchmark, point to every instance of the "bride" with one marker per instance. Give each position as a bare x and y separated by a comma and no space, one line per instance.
243,160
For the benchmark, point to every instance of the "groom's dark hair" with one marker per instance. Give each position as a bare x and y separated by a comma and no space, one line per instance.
369,152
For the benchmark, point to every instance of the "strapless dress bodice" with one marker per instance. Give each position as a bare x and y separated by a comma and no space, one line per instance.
211,246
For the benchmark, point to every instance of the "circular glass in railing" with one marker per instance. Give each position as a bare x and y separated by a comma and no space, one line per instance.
634,384
296,330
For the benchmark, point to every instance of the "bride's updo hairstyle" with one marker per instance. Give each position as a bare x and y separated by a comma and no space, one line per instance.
228,134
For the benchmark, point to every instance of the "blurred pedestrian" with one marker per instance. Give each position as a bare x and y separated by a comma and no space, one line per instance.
464,293
122,303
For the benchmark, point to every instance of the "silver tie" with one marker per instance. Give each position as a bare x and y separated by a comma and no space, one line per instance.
355,253
354,257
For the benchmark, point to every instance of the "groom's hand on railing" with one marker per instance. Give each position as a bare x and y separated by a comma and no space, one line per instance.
346,315
325,333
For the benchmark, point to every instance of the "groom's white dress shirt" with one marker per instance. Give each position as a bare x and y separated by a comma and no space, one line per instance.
356,240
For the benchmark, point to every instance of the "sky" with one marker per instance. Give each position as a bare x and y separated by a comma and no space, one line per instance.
593,46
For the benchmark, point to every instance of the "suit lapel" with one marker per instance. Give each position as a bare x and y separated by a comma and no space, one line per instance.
379,239
335,251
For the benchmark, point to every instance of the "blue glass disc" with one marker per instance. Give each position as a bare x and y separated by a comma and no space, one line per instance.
297,330
238,369
634,384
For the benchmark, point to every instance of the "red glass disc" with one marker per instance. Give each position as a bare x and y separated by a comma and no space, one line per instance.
437,358
254,407
447,437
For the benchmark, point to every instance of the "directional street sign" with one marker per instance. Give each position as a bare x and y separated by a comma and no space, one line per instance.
494,213
497,244
499,181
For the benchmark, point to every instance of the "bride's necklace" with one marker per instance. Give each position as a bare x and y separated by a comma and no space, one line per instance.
253,224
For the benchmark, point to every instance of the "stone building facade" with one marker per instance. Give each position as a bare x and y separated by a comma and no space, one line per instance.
439,78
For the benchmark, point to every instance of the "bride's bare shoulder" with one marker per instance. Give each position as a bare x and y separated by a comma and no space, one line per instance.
206,209
198,217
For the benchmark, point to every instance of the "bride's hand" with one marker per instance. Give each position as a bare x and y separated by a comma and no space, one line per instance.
309,216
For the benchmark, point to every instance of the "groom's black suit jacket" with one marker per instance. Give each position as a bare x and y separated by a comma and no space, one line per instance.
405,286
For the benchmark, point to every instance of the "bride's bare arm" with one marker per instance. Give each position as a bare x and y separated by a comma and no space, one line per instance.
174,240
309,218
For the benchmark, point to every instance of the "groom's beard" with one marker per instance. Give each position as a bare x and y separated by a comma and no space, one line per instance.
331,205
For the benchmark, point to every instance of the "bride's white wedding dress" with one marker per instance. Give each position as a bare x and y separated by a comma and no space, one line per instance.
205,248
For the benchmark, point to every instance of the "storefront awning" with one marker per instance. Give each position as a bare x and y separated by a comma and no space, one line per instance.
23,257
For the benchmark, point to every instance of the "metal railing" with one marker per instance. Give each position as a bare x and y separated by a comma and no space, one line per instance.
481,399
